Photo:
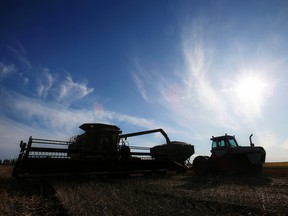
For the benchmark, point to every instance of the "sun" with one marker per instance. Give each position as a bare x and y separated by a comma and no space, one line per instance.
252,91
251,88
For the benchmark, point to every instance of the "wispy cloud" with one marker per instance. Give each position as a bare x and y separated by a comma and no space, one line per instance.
6,69
51,107
45,83
70,91
20,56
206,92
198,87
63,90
138,79
190,93
142,80
59,118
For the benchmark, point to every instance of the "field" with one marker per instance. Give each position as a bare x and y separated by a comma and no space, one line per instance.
170,194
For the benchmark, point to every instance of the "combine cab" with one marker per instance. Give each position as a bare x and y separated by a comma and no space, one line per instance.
229,158
102,149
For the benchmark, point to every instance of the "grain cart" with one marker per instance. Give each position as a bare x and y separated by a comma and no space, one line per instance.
229,158
101,149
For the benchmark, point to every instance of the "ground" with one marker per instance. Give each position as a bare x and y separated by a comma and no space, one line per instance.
170,194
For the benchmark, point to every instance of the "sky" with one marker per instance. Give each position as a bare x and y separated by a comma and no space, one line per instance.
196,69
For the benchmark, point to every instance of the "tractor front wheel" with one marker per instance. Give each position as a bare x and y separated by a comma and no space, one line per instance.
201,165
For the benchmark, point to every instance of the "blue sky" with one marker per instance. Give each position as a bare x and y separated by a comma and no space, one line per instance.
193,68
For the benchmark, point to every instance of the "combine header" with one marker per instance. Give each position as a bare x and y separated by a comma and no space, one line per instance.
102,149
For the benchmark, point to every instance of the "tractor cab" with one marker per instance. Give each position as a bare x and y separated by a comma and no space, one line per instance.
223,144
226,141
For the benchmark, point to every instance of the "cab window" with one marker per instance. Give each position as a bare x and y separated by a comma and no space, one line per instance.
222,143
232,143
218,144
214,144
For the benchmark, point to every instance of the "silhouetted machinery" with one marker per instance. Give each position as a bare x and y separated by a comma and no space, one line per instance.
229,158
102,149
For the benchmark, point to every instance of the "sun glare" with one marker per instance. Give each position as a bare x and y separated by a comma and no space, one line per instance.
252,90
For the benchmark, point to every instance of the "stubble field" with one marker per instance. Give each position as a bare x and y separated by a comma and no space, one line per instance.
170,194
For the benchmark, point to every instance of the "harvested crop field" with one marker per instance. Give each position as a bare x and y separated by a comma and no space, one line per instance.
170,194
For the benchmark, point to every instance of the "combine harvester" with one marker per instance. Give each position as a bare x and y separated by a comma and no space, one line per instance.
102,149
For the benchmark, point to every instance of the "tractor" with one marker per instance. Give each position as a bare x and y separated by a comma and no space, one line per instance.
227,157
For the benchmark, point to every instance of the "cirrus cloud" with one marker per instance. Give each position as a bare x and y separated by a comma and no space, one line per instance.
6,69
70,91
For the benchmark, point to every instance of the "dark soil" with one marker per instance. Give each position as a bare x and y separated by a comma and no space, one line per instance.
170,194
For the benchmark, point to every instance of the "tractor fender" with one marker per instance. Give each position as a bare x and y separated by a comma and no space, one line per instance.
254,158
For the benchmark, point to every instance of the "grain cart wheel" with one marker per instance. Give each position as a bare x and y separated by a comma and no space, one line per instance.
201,165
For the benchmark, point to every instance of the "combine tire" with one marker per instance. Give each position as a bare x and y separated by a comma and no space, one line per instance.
201,165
